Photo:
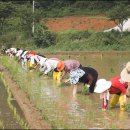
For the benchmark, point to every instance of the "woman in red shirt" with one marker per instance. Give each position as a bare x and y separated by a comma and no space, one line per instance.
115,86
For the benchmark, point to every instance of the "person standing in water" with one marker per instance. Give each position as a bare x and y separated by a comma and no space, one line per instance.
78,73
117,87
125,76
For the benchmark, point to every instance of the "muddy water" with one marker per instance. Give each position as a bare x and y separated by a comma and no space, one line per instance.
7,117
62,110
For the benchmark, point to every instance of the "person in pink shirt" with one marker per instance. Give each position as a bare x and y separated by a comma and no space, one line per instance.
69,65
73,68
117,87
78,73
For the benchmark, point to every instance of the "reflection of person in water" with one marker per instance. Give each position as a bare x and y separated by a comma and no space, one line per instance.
75,109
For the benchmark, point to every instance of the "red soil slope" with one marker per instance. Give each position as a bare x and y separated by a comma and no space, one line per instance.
96,23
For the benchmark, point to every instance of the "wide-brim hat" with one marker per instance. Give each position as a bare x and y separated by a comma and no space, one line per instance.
60,66
125,73
102,85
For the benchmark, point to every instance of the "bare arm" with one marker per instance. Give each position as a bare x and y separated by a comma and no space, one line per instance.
63,74
128,90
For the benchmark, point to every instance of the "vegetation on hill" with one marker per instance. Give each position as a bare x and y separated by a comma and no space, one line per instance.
16,19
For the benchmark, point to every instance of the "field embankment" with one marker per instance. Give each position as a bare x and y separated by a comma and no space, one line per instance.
32,115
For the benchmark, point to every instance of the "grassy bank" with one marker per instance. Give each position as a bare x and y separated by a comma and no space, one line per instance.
16,29
19,78
90,41
50,100
72,41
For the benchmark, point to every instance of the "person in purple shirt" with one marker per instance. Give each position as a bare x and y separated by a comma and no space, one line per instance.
78,73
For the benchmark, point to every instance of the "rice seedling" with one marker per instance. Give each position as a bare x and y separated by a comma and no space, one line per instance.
112,70
13,108
128,107
1,125
85,90
41,92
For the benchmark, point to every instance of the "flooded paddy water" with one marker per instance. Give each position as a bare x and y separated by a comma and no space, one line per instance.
61,109
10,113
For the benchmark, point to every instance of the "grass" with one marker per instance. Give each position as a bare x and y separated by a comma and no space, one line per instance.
89,41
1,125
21,121
70,11
50,100
128,107
72,40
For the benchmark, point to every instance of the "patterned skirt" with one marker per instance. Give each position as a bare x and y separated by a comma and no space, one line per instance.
75,75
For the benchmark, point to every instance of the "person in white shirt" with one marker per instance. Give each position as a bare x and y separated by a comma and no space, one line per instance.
50,65
37,60
11,51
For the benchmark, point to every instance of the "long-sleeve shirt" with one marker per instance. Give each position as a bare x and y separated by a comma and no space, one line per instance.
50,65
71,65
32,52
86,80
39,59
118,86
19,52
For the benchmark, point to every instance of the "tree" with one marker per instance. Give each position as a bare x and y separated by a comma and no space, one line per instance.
119,14
24,12
6,11
44,37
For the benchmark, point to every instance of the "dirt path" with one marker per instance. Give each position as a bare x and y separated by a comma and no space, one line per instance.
32,115
96,23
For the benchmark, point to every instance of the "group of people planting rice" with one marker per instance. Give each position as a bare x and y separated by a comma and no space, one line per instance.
118,86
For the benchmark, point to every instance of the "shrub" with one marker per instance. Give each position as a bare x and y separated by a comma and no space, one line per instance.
44,38
81,4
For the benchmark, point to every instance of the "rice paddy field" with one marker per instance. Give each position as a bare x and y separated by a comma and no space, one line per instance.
55,102
11,116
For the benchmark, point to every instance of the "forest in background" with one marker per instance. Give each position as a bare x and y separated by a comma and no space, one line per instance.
16,18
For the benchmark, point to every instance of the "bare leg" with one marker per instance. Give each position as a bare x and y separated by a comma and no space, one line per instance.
74,90
128,90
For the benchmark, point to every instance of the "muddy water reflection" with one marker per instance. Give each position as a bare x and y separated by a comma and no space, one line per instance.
7,116
63,111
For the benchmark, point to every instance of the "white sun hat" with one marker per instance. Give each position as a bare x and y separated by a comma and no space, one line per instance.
125,73
102,85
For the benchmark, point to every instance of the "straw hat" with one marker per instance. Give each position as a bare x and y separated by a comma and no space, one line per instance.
60,66
125,74
102,85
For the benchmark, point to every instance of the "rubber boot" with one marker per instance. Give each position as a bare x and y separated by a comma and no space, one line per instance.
56,75
114,100
121,102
